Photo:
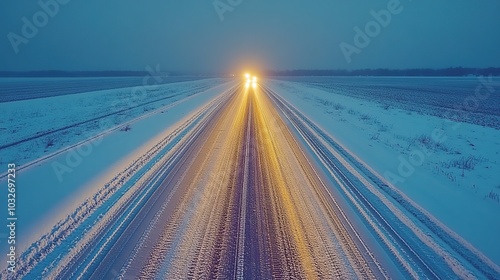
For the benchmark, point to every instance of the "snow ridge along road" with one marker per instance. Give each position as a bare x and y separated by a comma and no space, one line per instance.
249,188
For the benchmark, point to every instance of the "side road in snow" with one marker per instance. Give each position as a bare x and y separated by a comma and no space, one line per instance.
64,179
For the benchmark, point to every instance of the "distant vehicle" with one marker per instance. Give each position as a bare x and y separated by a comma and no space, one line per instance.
250,81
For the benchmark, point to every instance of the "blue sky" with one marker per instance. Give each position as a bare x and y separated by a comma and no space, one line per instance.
274,34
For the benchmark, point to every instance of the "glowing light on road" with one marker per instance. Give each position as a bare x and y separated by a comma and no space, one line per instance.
250,80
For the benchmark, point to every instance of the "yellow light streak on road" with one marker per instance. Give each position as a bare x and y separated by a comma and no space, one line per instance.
278,179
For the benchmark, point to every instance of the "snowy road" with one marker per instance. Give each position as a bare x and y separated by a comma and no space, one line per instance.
243,201
251,189
250,206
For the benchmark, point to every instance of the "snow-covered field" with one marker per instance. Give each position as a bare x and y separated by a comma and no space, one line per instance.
12,89
440,146
467,99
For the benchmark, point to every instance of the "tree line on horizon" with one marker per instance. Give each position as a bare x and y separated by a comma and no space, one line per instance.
452,72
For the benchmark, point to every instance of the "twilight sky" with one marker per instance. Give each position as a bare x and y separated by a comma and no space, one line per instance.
267,34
